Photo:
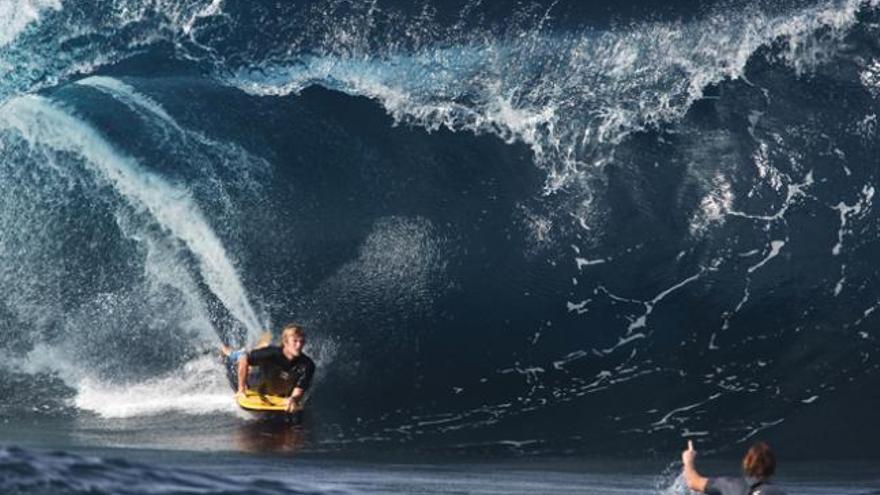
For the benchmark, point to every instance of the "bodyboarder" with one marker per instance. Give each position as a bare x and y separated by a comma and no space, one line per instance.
285,370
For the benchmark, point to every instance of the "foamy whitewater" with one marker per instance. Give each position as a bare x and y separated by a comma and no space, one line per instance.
544,231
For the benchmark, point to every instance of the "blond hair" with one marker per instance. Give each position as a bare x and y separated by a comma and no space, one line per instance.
293,329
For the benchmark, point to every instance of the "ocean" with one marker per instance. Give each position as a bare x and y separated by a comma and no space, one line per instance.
536,246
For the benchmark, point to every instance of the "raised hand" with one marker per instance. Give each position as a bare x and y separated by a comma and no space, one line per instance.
688,456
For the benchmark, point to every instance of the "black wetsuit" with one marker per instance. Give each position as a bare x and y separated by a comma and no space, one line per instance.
740,486
279,376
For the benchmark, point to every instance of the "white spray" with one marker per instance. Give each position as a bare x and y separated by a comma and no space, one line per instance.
39,121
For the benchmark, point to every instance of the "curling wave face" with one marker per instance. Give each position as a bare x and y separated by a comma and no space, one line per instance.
503,223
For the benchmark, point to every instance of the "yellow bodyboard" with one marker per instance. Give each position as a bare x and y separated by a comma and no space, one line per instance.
254,401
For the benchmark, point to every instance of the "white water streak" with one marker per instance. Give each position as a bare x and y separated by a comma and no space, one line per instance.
582,262
196,389
642,320
846,211
42,123
130,97
775,247
793,192
673,412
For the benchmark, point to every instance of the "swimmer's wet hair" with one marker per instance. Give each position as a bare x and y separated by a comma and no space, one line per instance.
759,462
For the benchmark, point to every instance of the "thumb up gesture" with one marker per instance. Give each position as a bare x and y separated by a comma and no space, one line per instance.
687,457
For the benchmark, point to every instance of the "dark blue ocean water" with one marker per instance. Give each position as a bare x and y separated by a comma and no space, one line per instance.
83,472
542,230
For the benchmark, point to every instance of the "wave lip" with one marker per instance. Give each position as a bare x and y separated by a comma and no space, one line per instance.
571,97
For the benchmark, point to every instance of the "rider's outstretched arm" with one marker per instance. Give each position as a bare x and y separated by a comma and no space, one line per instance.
693,479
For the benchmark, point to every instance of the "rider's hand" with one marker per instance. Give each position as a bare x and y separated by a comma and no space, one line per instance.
292,405
688,456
